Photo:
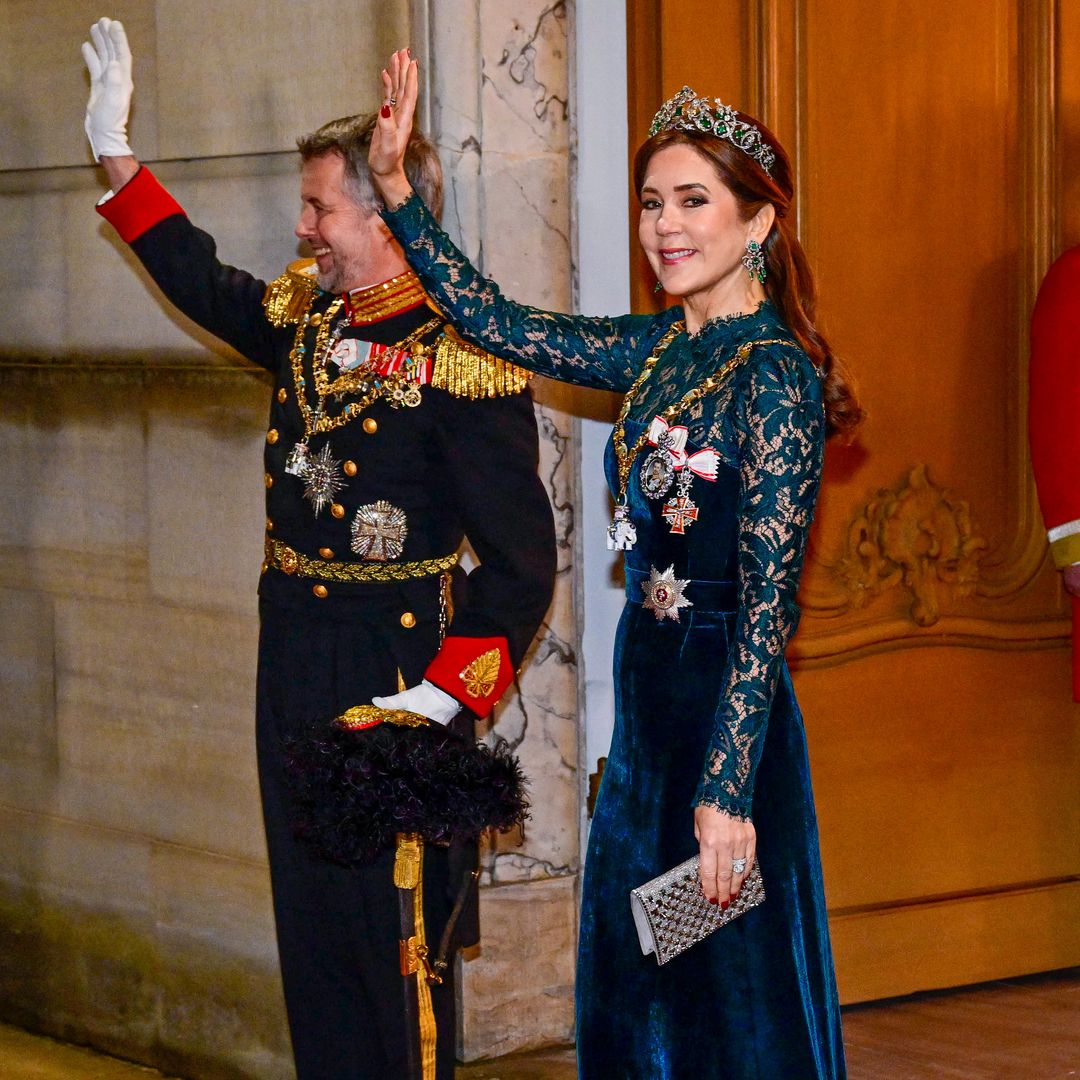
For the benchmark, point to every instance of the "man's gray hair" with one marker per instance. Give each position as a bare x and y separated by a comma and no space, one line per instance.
351,137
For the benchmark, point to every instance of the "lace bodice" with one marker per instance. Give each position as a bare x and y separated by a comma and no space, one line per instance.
766,421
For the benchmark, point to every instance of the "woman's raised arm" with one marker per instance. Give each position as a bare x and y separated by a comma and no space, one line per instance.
591,351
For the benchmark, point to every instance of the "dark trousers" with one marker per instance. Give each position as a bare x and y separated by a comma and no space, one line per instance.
338,928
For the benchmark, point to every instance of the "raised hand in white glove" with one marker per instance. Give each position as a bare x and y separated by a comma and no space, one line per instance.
426,699
108,60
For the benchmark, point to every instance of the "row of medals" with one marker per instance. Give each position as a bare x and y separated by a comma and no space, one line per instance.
657,475
378,529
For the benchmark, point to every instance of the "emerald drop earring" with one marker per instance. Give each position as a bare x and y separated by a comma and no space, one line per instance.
754,261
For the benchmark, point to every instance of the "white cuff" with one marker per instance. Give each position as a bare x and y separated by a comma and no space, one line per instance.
426,699
1060,531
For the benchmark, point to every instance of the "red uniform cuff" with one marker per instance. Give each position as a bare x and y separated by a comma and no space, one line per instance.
138,206
474,670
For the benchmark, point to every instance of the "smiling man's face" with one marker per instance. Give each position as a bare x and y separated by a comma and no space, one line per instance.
352,245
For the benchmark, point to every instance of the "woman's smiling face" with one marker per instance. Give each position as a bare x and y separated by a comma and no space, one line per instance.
690,227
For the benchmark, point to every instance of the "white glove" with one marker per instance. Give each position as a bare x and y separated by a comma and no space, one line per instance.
426,699
109,62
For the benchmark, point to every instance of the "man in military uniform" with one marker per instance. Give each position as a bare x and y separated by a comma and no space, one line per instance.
388,443
1054,424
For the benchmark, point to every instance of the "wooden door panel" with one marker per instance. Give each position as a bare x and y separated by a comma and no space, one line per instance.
932,659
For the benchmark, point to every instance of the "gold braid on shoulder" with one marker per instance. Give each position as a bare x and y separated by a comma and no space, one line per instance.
465,371
288,297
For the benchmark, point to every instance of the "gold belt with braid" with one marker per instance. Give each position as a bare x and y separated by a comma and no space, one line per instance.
289,561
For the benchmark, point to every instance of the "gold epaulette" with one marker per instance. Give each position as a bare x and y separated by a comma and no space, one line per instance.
288,297
465,371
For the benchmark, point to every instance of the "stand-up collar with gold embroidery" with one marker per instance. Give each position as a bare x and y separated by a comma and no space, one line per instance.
377,302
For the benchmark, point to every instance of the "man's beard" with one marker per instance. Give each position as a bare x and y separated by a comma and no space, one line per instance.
330,281
342,275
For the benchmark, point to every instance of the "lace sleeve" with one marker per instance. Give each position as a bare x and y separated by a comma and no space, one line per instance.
589,351
779,422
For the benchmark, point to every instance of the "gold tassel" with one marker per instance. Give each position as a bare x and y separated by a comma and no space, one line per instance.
407,860
288,297
465,371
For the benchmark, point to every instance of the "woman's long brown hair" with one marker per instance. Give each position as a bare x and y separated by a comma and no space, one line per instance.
789,283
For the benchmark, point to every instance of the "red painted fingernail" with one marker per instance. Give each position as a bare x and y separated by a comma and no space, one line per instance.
714,900
734,896
725,905
384,112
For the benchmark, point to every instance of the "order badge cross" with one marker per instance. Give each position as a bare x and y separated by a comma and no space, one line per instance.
679,513
378,531
664,593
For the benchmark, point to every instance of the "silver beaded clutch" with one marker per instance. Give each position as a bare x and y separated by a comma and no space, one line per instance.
671,912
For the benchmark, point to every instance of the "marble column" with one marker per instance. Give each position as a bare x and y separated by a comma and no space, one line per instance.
496,89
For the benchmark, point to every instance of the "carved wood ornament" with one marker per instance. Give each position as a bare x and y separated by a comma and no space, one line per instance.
918,537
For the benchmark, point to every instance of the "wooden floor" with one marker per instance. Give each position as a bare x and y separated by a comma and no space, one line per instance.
1017,1029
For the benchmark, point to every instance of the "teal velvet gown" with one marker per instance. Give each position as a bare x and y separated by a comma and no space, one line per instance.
705,712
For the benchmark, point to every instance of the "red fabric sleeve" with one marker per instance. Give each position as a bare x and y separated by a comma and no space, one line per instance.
1054,406
476,671
138,206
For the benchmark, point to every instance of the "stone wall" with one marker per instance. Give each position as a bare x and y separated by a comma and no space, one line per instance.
498,96
134,898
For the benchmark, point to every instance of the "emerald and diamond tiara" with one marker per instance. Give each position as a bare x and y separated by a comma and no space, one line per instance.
688,112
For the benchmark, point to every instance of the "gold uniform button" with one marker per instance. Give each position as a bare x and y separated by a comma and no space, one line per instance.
272,436
269,525
320,591
371,426
282,395
315,319
349,468
408,620
337,510
326,553
268,480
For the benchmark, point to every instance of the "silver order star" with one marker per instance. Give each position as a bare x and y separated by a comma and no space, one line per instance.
664,593
322,480
379,531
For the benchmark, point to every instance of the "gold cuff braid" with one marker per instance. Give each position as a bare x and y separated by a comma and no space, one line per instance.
289,561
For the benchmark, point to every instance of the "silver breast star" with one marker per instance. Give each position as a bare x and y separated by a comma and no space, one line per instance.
322,479
379,531
664,593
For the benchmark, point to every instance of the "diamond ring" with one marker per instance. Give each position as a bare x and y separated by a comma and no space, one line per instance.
738,866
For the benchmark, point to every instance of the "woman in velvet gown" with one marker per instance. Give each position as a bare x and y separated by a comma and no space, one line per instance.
715,465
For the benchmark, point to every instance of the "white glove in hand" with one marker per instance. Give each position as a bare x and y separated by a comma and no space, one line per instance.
108,60
426,699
